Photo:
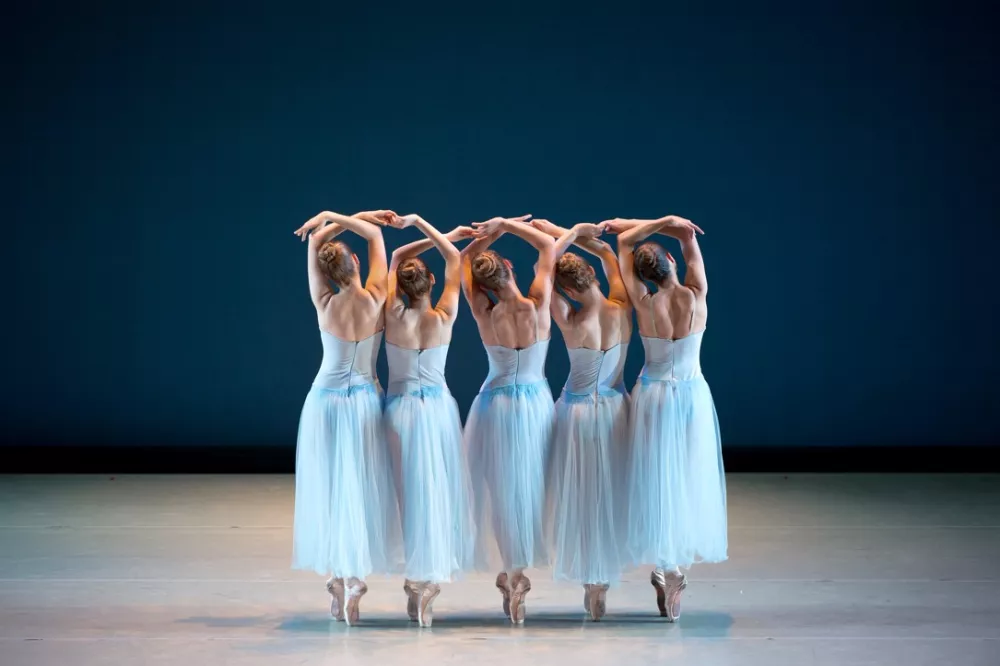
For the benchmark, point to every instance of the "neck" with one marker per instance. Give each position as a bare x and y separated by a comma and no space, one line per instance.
354,285
591,296
509,292
670,283
422,303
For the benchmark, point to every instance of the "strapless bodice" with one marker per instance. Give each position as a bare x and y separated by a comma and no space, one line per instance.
672,360
346,364
511,367
414,371
596,371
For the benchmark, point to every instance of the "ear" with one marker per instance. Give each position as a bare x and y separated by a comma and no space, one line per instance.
670,258
433,281
507,263
357,262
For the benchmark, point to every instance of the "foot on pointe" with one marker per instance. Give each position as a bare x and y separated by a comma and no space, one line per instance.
335,586
520,587
503,584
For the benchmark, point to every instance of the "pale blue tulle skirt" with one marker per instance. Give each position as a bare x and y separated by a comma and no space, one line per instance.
676,481
507,435
585,489
432,477
346,514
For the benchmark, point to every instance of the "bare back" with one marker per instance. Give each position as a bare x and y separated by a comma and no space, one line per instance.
351,314
599,326
411,328
514,323
672,312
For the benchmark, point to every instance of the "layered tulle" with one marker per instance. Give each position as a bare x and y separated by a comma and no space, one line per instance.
425,431
507,435
346,513
676,481
585,495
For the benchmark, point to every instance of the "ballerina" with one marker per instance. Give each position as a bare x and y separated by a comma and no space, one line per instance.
676,481
510,423
422,419
591,424
346,515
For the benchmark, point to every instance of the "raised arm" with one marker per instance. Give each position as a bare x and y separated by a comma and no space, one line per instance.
632,232
370,231
617,292
540,290
316,233
478,300
447,305
695,277
418,247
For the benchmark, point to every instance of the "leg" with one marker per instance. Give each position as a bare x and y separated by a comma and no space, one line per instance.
428,592
669,584
595,600
503,584
520,586
355,589
335,586
411,589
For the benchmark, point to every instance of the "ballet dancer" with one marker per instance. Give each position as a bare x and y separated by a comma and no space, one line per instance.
586,470
422,419
676,481
509,426
346,514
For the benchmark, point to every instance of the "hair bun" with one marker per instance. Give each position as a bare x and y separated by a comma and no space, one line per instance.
413,278
490,270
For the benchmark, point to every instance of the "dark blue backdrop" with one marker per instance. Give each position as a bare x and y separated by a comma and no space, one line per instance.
842,163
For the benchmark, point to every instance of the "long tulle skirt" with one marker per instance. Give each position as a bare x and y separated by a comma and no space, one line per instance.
585,485
346,514
433,484
507,436
676,481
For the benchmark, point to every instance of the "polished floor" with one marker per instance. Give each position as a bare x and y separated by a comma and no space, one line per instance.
193,570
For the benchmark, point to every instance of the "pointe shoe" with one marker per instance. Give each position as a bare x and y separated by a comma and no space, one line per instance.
411,600
520,588
425,611
352,600
335,586
503,584
669,586
596,604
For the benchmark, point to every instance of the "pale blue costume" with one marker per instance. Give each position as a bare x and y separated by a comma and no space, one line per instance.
424,427
587,467
507,434
676,481
346,514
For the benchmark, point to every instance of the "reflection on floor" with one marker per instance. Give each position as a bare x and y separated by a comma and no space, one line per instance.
193,570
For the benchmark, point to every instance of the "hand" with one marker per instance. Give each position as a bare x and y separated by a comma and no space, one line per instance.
488,227
461,233
405,221
311,225
542,225
587,230
615,226
679,227
379,217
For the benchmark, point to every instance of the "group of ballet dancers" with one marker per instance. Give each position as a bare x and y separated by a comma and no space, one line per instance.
592,484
